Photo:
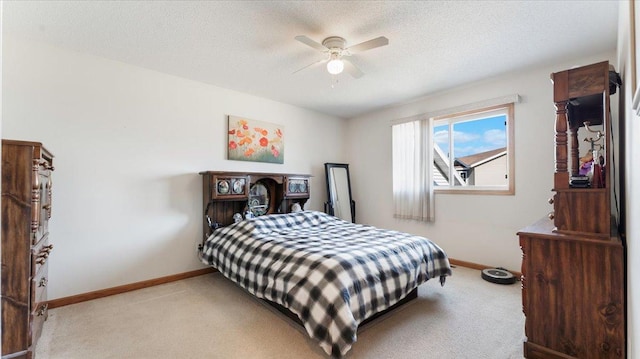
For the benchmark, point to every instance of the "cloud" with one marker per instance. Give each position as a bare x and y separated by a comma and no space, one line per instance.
495,137
442,137
469,143
463,137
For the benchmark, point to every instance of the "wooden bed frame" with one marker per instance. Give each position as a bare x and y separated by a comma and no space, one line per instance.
228,193
409,297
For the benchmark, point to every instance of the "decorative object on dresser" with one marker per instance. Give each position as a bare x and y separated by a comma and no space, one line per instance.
573,270
26,209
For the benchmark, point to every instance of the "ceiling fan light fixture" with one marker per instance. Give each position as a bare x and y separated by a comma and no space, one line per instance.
335,66
335,47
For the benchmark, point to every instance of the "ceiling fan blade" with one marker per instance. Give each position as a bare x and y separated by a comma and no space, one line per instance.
367,45
351,69
307,41
312,64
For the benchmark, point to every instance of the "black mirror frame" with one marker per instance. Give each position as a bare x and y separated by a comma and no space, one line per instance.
328,206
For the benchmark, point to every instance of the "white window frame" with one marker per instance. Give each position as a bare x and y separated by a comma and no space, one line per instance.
485,112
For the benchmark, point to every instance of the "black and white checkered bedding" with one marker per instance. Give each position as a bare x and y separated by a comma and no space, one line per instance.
331,273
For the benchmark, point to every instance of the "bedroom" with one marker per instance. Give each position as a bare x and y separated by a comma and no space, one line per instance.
103,118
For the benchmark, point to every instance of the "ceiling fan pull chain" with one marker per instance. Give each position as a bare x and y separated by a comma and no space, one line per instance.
334,81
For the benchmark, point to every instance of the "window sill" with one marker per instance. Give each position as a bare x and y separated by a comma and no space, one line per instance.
476,190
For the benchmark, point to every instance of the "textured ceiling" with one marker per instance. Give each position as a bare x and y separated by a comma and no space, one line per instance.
249,46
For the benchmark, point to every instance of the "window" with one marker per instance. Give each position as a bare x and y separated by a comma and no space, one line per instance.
473,151
469,149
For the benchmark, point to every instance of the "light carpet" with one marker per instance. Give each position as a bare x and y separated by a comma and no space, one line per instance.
210,317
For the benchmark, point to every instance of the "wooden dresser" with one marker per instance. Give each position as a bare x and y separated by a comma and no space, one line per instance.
26,209
572,295
573,263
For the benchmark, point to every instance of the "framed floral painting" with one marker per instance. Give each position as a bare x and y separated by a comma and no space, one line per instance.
256,141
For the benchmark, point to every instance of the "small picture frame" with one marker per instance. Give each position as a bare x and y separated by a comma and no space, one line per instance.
230,187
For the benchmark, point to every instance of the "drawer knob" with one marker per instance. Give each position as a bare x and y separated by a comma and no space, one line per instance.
550,200
47,166
551,215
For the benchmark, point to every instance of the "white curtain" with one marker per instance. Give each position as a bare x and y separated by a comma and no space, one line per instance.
413,170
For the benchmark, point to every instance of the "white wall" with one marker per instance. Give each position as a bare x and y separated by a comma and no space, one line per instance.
631,123
475,228
129,143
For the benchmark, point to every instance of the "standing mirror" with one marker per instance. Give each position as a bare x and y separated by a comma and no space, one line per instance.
340,203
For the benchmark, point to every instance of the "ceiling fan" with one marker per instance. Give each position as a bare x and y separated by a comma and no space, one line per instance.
336,52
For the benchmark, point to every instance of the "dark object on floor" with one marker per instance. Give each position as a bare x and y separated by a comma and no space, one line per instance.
498,275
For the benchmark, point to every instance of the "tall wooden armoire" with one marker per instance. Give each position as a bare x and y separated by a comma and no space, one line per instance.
573,262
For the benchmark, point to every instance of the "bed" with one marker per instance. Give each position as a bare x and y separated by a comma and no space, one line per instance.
330,273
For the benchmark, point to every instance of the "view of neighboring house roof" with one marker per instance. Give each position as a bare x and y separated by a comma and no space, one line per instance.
477,159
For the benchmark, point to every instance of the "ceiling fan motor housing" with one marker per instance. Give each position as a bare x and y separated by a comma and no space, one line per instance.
334,42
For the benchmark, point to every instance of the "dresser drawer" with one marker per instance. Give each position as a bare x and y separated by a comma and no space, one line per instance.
40,254
39,285
38,316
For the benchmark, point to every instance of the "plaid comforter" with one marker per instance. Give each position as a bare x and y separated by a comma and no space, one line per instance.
331,273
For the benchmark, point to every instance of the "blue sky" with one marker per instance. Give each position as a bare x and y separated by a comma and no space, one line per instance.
471,137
